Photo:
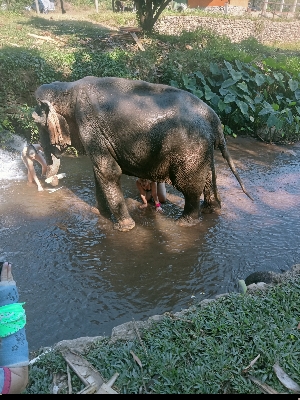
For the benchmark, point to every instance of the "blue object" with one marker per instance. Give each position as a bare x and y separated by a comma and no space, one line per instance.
44,6
13,348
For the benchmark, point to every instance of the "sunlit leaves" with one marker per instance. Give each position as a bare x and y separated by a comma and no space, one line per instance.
250,98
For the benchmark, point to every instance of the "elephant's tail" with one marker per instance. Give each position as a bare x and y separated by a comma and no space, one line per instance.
221,144
214,181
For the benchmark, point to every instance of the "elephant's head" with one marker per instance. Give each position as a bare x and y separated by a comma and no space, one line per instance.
53,129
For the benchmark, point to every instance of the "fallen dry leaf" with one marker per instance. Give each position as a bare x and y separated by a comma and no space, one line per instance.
263,386
251,364
285,379
136,359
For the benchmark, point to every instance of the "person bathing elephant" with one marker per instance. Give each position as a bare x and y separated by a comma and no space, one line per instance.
151,131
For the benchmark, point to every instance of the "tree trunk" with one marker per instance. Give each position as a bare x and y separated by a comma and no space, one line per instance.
63,11
37,6
148,12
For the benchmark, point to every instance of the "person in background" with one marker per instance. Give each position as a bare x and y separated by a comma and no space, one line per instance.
14,354
151,190
31,153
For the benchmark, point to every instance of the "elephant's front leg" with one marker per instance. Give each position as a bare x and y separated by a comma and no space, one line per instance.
107,181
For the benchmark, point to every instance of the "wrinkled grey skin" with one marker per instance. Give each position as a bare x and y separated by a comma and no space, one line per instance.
135,128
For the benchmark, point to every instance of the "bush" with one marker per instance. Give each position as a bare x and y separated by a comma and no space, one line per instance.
249,98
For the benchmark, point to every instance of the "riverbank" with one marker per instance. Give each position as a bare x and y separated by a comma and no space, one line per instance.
235,343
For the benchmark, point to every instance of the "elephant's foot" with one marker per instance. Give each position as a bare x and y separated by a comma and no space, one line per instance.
125,225
187,221
208,208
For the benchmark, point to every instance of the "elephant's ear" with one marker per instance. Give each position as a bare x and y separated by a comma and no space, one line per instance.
58,127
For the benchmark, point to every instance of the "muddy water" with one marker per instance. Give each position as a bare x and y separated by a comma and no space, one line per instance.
79,277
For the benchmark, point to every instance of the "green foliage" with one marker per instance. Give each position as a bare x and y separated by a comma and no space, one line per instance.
23,117
5,133
16,5
205,350
100,64
249,98
42,373
81,48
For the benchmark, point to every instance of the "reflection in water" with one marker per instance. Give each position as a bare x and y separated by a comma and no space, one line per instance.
79,277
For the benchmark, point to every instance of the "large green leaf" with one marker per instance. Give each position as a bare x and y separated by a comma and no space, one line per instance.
228,109
208,93
221,105
189,82
269,80
225,74
278,76
211,81
248,99
242,106
259,79
215,100
289,115
258,98
246,77
239,64
252,68
214,69
266,111
227,83
201,76
297,94
236,75
224,107
228,65
274,121
250,102
174,84
243,86
198,93
293,85
223,92
279,98
229,98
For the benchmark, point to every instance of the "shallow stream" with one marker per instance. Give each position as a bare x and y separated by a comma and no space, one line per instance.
79,277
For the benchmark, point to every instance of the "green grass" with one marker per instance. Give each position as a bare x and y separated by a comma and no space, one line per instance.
204,351
79,47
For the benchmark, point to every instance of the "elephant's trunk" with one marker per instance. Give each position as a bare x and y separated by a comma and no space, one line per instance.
53,168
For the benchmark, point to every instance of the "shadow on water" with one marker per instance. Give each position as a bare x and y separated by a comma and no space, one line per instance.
79,277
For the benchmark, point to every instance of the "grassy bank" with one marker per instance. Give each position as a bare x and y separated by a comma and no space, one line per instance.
261,97
205,350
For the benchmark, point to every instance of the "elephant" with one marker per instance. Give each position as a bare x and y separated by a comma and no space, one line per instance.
136,128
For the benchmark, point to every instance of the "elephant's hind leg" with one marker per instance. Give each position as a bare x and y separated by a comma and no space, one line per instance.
210,192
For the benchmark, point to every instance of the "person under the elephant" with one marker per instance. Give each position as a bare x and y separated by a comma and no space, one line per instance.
14,354
31,153
152,190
